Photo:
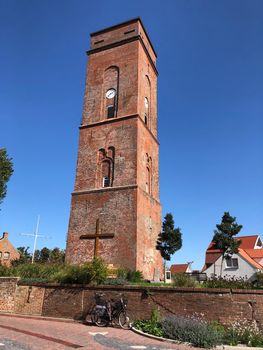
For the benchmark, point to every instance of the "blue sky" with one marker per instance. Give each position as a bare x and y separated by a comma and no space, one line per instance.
210,108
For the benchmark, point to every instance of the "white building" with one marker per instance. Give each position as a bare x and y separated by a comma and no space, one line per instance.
246,263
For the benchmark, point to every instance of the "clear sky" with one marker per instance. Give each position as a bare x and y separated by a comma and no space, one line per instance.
210,110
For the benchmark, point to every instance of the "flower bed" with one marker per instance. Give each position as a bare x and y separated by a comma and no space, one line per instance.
200,333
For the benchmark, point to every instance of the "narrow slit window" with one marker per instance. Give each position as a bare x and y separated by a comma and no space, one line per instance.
110,113
106,181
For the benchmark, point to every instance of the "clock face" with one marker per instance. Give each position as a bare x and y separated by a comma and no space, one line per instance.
110,93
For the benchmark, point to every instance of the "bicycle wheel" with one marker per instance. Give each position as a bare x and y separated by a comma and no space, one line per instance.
124,320
99,320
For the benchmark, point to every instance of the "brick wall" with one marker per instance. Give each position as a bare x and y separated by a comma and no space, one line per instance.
223,305
29,300
7,293
7,251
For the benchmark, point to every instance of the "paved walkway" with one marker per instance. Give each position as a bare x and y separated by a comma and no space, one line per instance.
18,333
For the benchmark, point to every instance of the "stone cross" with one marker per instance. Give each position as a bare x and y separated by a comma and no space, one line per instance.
97,236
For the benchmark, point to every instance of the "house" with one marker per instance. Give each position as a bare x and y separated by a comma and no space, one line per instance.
246,263
7,251
180,268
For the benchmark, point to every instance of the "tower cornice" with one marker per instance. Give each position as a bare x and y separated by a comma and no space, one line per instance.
123,42
115,120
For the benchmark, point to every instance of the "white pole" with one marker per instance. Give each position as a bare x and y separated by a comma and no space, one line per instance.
35,240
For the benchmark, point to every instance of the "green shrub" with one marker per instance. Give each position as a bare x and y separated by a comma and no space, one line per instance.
183,280
152,326
147,326
122,272
259,280
228,282
134,276
115,281
244,332
5,271
130,275
91,272
191,330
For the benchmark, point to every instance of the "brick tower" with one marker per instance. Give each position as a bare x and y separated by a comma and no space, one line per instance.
115,207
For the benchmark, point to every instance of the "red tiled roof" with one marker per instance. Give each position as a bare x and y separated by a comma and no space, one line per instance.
249,259
246,250
254,253
211,257
178,268
247,242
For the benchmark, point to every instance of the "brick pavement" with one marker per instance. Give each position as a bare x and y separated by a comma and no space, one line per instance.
33,334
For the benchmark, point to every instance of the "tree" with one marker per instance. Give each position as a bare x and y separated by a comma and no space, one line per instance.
224,237
46,255
169,239
6,170
25,256
57,255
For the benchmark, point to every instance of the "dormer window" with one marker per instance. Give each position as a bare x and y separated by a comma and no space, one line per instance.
258,244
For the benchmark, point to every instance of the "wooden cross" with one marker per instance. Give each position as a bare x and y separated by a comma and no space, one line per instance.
98,235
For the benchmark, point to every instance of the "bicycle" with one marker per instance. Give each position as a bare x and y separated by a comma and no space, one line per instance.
112,312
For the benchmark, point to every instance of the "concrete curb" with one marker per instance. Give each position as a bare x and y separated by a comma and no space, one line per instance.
237,347
161,338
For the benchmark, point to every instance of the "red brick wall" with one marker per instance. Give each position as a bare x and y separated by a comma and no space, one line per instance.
7,293
223,305
124,209
7,247
29,300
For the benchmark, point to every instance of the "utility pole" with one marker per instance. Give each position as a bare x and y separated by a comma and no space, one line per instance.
35,235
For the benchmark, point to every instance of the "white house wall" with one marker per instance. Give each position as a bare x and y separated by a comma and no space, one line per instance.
244,270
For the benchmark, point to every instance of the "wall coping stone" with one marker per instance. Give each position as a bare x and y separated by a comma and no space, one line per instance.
143,288
8,278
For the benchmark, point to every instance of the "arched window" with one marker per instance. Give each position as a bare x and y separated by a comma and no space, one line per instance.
146,110
0,255
106,172
105,167
110,91
147,102
148,182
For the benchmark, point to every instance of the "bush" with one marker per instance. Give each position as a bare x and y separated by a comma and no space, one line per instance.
93,272
183,280
191,330
134,276
228,282
259,280
115,281
122,272
152,326
5,271
244,332
130,275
